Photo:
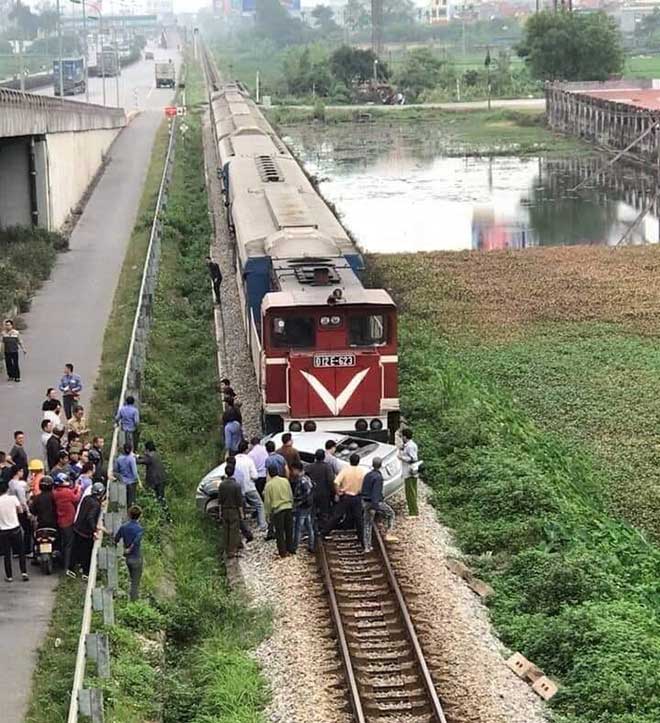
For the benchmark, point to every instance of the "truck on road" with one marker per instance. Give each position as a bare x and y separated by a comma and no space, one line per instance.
165,75
108,63
73,76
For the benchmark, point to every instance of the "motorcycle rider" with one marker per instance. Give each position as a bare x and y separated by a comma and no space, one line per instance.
36,474
42,506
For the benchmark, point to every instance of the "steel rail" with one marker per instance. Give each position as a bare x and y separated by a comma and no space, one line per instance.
410,629
79,672
354,692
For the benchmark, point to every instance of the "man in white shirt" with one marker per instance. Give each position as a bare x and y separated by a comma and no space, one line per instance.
46,434
259,455
409,456
246,476
54,414
11,539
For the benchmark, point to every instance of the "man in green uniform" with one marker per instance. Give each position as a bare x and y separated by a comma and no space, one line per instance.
278,503
230,500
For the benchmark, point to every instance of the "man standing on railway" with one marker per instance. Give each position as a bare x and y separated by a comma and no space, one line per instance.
323,477
348,484
230,500
303,504
409,457
288,451
373,504
278,501
216,277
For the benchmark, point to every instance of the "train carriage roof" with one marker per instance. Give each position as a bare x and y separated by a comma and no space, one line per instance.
276,211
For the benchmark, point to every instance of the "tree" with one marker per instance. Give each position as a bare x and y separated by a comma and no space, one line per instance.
352,64
420,71
357,16
274,22
305,73
324,20
571,46
26,21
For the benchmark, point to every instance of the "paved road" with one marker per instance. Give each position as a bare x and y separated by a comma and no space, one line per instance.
136,85
66,323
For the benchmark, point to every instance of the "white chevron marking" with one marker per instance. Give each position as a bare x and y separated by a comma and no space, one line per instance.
335,404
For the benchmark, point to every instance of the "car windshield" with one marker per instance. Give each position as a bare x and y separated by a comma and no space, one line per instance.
350,445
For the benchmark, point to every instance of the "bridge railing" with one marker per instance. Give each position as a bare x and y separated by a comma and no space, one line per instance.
95,646
16,98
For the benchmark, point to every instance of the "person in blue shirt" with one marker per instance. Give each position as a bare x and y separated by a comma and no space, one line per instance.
128,419
233,436
71,387
130,533
126,469
277,459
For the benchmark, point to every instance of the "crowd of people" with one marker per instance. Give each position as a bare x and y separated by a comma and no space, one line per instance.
62,490
291,500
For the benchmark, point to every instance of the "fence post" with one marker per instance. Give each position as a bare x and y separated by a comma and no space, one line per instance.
102,600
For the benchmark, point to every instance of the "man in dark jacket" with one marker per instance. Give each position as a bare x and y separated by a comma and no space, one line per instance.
18,453
96,456
42,506
230,500
155,470
85,530
373,504
54,446
216,277
323,477
303,504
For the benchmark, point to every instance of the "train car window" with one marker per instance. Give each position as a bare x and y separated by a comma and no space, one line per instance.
367,330
294,331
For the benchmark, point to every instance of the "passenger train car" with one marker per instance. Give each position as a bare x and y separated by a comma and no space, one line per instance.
324,347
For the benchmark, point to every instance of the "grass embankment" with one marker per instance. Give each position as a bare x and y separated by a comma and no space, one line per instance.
51,683
530,379
474,132
27,256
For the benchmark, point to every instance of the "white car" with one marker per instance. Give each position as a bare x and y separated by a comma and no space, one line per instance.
307,443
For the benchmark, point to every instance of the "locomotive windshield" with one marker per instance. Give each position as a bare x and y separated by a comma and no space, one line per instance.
297,332
366,330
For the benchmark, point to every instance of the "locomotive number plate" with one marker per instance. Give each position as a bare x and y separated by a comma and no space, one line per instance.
334,360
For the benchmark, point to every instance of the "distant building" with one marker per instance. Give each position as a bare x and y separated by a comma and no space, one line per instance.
437,13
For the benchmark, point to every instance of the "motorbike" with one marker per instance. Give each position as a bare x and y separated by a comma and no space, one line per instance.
44,548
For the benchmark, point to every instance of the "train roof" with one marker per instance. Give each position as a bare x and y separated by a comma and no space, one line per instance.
251,146
313,281
276,211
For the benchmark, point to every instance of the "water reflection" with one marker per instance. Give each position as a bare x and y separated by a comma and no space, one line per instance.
397,190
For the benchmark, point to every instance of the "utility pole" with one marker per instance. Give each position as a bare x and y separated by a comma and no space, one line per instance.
59,50
114,35
377,26
84,11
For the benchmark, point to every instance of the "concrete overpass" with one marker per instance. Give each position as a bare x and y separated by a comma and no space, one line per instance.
50,150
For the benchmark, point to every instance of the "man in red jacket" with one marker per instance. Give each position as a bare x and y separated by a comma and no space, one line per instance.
66,503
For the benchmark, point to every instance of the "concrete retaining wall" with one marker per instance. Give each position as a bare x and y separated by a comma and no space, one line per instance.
15,208
73,161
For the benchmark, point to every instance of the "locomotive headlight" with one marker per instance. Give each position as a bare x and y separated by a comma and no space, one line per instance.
295,427
309,426
335,320
325,320
361,425
376,425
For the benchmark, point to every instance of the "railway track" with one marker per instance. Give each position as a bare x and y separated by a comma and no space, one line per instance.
387,676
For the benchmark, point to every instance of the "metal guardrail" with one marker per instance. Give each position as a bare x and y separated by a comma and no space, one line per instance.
89,701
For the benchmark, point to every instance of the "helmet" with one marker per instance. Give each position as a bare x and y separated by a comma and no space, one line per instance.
98,489
46,483
36,465
62,478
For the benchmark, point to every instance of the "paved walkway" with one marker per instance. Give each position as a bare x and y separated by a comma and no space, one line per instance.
66,323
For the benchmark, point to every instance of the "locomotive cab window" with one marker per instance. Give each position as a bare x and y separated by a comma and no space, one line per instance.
367,330
293,331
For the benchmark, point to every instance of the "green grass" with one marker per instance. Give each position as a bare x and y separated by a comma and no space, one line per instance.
51,682
530,379
642,66
190,662
478,132
576,590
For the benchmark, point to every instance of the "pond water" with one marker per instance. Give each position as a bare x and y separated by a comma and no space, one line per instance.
400,189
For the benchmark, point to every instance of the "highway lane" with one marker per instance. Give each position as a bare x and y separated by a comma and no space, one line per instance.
66,323
136,84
